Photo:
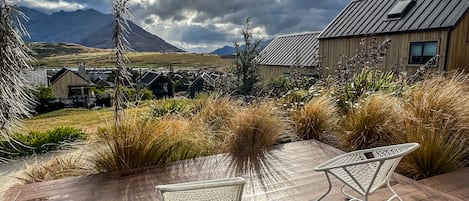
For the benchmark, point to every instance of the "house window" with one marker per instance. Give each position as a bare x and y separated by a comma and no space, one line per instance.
422,52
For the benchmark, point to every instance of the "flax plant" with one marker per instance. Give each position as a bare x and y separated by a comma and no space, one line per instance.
16,100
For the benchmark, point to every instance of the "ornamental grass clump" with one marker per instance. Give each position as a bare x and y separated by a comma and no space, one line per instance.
256,128
317,117
437,116
69,165
375,122
140,143
216,112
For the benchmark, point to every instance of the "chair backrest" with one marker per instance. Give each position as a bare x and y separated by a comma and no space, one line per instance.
230,189
367,170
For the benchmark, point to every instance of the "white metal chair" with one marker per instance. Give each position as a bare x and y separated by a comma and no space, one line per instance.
366,170
230,189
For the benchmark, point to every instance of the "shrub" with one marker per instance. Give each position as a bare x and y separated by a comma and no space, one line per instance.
362,85
60,167
374,123
39,142
140,143
146,94
183,107
316,117
295,99
255,129
436,116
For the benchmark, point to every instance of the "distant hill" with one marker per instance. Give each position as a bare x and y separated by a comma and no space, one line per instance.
42,50
229,50
89,28
225,50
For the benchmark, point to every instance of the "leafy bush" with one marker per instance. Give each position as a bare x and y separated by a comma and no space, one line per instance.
436,116
316,117
374,123
295,99
362,85
20,145
256,128
165,107
140,143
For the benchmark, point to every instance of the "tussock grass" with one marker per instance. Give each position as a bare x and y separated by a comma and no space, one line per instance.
139,143
216,111
68,165
256,128
315,118
437,116
374,123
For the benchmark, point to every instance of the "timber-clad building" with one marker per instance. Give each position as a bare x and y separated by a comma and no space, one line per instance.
418,29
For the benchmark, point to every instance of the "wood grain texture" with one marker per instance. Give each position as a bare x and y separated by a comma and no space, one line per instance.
284,172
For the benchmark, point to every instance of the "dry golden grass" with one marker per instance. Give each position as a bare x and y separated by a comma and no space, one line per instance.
216,112
140,59
315,118
69,165
437,116
256,128
374,123
144,142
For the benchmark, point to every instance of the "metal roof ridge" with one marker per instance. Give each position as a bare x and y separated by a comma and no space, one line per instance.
299,34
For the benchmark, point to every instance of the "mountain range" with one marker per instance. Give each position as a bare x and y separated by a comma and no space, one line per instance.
89,28
229,50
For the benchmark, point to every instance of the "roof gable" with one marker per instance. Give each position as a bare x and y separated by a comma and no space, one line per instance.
293,49
366,17
63,72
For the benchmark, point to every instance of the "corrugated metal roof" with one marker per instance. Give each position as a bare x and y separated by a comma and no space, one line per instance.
148,77
294,49
364,17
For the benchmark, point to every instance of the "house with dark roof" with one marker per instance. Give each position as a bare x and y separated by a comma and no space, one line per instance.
286,51
67,83
159,84
103,84
418,29
203,83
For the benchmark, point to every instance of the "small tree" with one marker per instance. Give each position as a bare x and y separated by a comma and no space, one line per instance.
246,66
120,11
16,99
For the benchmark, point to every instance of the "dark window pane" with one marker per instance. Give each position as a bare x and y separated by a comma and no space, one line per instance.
430,49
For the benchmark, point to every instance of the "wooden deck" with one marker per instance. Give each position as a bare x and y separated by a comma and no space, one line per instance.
282,173
455,183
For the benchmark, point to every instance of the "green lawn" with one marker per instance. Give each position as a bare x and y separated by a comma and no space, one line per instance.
87,120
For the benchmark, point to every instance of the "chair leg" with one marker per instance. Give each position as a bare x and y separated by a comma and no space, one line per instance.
348,196
328,190
394,192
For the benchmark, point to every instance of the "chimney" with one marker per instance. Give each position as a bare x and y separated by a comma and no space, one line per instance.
81,70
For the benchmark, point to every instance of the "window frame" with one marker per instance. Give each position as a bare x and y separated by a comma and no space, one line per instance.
409,60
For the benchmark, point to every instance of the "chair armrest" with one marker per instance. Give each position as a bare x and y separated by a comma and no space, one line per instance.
359,157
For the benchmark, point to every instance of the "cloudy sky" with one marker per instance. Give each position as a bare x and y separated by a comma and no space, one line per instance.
205,25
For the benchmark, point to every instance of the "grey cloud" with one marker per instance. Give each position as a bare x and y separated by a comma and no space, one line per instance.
282,17
275,16
200,34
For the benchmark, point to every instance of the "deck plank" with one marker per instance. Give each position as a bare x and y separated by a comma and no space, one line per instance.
283,173
454,183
